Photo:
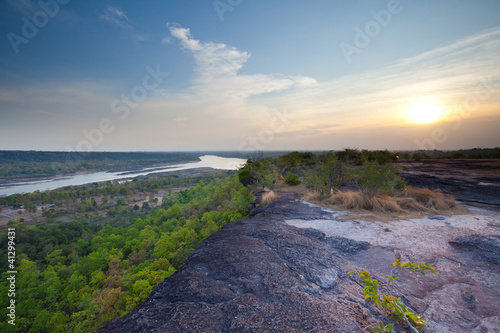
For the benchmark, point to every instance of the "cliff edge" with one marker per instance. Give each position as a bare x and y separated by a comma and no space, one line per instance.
284,269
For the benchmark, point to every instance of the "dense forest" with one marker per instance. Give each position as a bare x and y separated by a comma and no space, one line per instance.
32,164
77,276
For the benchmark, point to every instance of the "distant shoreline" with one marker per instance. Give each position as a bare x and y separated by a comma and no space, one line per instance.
205,164
9,182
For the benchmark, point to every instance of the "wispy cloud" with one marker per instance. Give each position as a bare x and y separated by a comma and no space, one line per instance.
115,16
218,65
447,75
341,109
219,94
118,18
181,121
222,106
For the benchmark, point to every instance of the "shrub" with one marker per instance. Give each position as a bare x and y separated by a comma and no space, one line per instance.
314,180
329,174
293,160
257,175
375,179
292,179
244,175
265,179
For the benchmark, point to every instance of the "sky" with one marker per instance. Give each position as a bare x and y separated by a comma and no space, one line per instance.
177,75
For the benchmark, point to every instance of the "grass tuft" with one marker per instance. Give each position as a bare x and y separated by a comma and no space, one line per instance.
432,199
312,196
413,200
269,197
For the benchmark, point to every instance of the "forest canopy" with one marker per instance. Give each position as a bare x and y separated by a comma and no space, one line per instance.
77,276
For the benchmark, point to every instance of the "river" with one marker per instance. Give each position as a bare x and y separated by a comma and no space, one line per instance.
207,161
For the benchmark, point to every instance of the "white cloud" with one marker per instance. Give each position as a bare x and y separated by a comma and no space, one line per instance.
181,119
448,74
218,64
115,16
222,106
241,104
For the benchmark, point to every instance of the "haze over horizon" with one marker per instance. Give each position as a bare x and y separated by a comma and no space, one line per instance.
249,75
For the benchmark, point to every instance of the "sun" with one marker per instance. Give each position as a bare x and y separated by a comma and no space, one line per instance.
424,112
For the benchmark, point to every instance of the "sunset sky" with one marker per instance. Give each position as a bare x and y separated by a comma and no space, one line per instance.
249,74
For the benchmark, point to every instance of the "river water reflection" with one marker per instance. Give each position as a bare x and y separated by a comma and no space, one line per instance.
207,161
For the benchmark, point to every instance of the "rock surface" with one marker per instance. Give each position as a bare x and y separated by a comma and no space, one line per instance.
474,182
486,247
284,269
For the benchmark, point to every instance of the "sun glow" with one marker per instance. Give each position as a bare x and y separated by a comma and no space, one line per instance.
424,112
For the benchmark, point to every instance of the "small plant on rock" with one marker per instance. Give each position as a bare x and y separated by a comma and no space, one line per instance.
292,179
392,304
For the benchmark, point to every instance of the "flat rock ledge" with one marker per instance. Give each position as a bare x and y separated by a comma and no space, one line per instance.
269,273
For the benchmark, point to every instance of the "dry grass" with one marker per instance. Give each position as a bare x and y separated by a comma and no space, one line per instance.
269,197
357,200
415,202
312,196
415,199
431,199
301,188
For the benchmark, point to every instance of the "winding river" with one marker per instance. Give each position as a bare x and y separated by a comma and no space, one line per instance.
207,161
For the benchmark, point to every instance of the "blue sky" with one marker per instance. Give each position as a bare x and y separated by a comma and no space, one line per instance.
228,75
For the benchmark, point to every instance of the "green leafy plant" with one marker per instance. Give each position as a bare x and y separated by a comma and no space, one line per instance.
265,178
258,175
375,179
328,174
392,304
292,179
244,175
383,328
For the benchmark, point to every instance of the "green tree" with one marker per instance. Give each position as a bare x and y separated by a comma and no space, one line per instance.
328,174
375,179
292,179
